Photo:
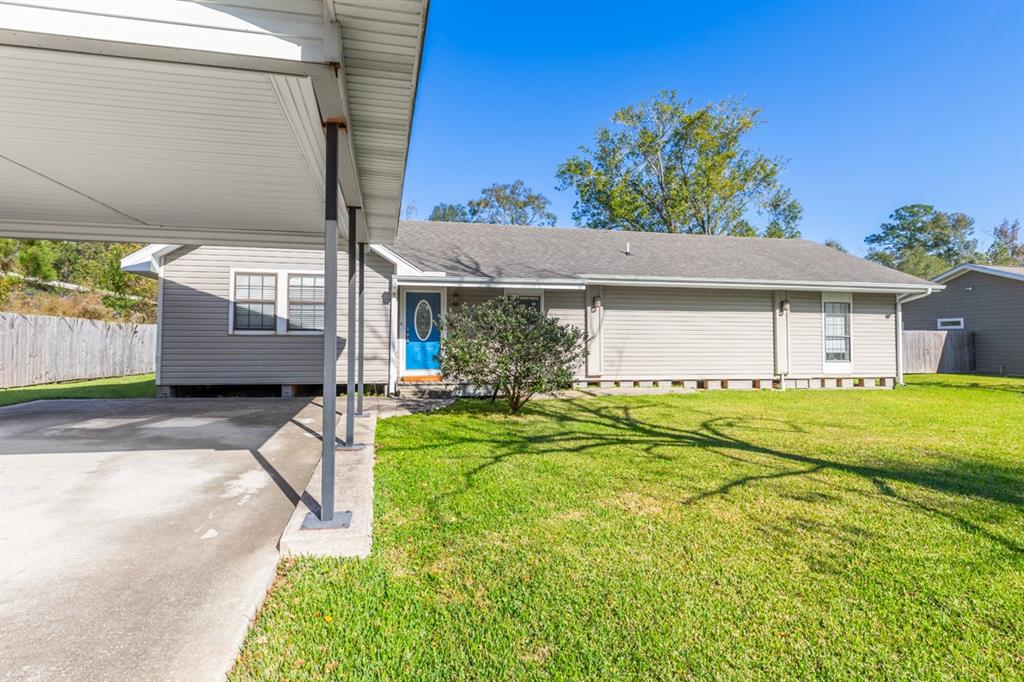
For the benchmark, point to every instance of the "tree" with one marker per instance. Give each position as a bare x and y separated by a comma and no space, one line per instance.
918,230
504,204
35,259
8,254
515,349
836,244
511,204
451,213
920,263
669,167
1007,247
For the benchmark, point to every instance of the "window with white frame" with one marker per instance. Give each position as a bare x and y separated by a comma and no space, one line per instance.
255,301
305,303
949,323
837,324
530,298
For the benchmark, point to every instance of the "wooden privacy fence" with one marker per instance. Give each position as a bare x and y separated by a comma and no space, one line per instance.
930,351
39,349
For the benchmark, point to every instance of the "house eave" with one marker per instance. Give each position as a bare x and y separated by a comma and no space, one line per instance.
774,285
147,260
581,282
974,267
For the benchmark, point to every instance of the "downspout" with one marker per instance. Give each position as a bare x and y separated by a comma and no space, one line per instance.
783,310
789,343
159,321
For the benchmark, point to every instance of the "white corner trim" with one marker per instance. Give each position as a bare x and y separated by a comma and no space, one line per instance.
147,260
403,268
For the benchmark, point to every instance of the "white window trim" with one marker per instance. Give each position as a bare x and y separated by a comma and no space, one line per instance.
958,320
526,293
831,366
280,302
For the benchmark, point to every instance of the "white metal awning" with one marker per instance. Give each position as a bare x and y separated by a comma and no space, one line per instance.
201,122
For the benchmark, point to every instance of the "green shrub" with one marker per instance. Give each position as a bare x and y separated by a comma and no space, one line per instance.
512,348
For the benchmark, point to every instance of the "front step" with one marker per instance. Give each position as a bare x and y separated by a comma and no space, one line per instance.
425,389
438,389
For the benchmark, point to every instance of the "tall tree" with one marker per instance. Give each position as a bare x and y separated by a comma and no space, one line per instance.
511,204
35,259
919,230
505,204
1007,247
666,166
451,213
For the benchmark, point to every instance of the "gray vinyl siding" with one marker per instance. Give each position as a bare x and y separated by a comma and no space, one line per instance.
992,307
198,350
665,333
471,296
806,344
874,335
566,306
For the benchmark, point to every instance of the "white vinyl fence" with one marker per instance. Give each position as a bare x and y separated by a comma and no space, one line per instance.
39,349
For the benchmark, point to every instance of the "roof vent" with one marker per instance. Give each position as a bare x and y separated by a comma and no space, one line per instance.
627,249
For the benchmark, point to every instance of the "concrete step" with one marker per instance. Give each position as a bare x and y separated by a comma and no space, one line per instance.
426,389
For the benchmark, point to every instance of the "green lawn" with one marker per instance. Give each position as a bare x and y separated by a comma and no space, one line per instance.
824,534
136,386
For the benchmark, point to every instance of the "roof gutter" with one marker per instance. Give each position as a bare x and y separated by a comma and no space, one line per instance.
410,274
907,298
790,285
569,284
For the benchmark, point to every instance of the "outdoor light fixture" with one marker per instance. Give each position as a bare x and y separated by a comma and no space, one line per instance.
596,303
784,306
455,300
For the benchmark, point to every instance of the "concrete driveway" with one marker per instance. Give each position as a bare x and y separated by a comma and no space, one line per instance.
137,537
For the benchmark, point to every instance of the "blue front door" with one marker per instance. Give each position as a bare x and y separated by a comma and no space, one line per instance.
422,330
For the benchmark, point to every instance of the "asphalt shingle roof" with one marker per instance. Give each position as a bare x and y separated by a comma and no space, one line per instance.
514,251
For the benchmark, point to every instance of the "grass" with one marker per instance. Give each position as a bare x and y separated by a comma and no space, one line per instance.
136,386
825,534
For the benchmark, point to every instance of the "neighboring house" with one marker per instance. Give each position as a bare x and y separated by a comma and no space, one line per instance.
985,299
655,307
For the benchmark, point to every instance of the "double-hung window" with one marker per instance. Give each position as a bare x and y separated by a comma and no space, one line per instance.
305,303
837,312
255,302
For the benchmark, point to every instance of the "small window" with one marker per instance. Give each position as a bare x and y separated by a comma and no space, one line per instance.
529,301
255,302
306,303
949,323
837,331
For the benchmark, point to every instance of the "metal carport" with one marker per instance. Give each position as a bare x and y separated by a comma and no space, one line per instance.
220,122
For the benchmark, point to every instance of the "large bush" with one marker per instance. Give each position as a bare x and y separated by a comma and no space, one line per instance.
511,347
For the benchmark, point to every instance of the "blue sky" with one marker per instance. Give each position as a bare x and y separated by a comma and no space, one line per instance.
874,105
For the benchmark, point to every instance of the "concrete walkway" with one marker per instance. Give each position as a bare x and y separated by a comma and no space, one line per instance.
353,484
138,537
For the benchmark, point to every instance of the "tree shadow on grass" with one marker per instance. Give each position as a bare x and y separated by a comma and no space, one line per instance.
997,385
583,425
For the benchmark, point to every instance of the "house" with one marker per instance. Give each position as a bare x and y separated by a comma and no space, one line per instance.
985,299
696,310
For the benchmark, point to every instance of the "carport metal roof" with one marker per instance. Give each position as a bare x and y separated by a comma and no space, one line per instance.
200,121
